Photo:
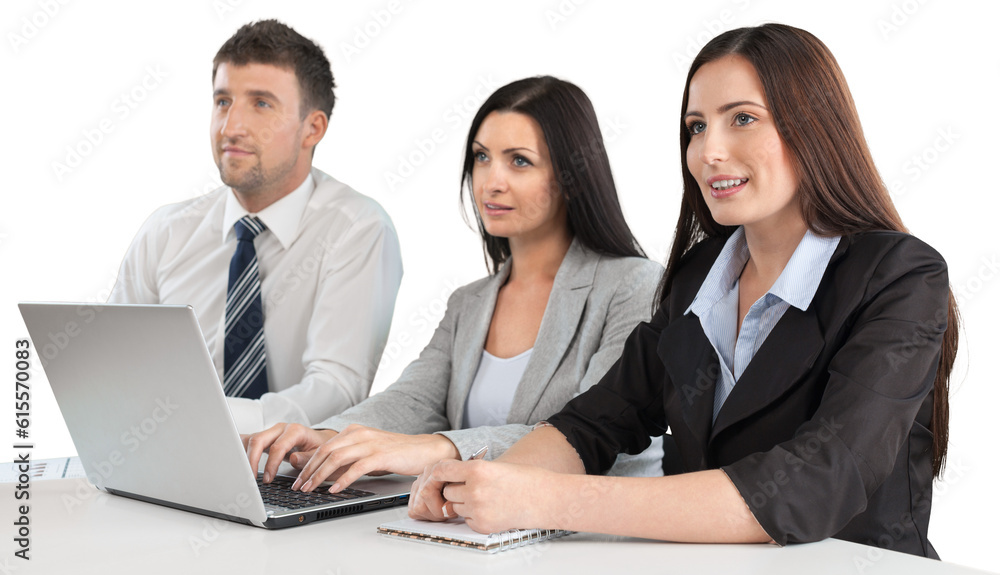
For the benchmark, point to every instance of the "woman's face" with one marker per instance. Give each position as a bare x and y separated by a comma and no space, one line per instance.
513,181
741,165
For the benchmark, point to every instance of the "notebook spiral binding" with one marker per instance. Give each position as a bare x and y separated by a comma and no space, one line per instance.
515,538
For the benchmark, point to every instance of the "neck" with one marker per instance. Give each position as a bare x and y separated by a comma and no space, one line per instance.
771,248
538,261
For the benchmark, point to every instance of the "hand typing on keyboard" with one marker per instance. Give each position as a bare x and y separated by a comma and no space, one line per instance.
278,493
343,457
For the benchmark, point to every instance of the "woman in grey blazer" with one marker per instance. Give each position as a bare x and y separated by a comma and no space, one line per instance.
569,283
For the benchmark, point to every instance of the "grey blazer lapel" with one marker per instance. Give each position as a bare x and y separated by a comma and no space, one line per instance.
470,338
560,323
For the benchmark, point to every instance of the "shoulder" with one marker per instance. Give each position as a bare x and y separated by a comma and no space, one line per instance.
183,217
875,247
334,202
878,260
626,284
885,255
626,266
630,274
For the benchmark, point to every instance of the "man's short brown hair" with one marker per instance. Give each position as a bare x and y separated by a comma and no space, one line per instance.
271,42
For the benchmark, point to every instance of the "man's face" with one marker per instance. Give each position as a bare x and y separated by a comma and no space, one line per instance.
257,133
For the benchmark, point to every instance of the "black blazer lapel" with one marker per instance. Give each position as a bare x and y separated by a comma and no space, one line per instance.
783,360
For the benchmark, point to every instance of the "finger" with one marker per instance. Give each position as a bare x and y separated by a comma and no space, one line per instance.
449,471
353,473
299,459
448,510
416,507
257,443
432,501
327,461
293,436
454,492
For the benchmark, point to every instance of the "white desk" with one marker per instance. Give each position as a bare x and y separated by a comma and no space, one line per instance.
76,529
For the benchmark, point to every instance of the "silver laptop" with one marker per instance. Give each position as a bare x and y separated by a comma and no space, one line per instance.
145,407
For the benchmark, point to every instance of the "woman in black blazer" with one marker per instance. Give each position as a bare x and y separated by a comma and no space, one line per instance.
799,354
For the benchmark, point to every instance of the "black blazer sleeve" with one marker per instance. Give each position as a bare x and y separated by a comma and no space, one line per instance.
810,486
621,412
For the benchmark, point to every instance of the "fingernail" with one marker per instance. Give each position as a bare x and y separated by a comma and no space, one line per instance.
307,486
267,477
444,510
296,483
335,488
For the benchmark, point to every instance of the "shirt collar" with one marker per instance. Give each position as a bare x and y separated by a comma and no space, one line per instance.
724,273
282,217
796,285
800,279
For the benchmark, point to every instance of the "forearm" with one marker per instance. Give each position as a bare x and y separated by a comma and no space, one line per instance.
547,448
701,507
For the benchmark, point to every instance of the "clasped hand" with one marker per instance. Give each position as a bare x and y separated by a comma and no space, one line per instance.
490,495
323,454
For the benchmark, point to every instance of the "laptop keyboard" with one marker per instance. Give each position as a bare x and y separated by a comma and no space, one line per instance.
278,493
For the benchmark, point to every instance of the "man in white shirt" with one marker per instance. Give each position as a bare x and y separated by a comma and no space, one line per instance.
282,241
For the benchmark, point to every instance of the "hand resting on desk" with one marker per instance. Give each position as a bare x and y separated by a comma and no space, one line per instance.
492,496
344,457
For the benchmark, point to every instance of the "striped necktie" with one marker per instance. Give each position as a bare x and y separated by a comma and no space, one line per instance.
245,372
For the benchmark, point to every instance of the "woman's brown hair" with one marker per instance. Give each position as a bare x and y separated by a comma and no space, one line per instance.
840,189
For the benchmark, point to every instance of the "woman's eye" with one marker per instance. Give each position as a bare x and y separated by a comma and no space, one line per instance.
479,156
696,128
744,119
521,161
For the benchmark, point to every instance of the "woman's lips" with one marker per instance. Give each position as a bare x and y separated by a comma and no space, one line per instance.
494,209
725,186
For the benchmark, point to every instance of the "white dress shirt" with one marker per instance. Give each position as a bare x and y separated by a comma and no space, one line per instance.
330,268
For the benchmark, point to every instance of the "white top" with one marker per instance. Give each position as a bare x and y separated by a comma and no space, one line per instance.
330,268
493,389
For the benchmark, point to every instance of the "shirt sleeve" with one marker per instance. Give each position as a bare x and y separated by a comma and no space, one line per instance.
136,282
878,380
630,304
348,330
416,402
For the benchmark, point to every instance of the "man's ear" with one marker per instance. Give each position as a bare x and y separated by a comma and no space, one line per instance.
315,128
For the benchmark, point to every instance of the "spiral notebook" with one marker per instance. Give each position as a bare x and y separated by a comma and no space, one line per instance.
455,533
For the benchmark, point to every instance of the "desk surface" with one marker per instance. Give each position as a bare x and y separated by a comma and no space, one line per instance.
75,528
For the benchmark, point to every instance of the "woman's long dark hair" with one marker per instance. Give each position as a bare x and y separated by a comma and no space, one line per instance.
579,161
840,189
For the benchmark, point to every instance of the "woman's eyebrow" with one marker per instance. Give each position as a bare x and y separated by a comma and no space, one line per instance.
726,107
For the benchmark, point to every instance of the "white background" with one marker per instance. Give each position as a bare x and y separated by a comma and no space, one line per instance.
918,71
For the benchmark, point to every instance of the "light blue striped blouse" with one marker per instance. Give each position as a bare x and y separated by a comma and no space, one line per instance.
717,303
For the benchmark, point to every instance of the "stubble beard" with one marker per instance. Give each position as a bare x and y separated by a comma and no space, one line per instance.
254,181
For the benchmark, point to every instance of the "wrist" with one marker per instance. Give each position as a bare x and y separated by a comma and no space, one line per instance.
444,448
554,506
